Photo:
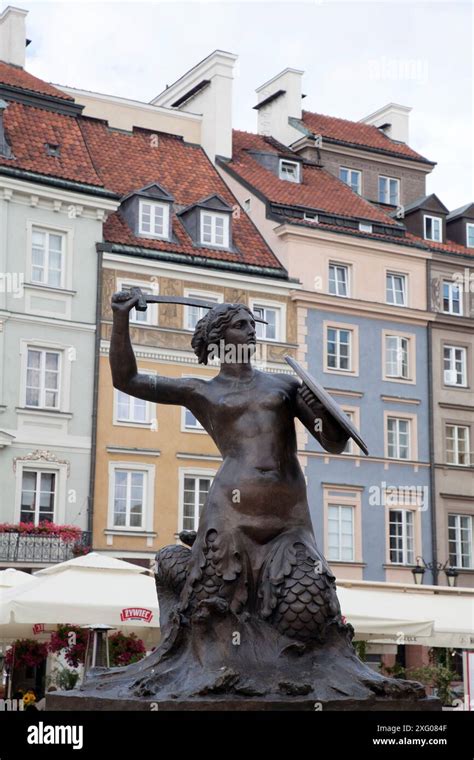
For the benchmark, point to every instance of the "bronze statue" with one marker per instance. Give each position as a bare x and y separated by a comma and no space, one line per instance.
248,604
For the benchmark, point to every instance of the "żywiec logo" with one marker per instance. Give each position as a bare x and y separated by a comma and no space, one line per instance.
136,613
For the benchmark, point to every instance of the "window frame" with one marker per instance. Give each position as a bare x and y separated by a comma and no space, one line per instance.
148,500
166,218
456,450
39,472
283,161
60,469
388,180
411,356
451,285
225,216
46,267
280,321
392,273
191,472
407,560
469,225
347,268
411,419
42,370
453,348
350,496
353,329
433,219
349,184
458,529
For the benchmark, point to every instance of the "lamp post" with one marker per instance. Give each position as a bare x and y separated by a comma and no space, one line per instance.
419,571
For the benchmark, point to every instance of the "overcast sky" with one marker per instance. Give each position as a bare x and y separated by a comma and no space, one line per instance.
357,56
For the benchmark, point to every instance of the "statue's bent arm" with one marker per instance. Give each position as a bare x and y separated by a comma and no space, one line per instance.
320,423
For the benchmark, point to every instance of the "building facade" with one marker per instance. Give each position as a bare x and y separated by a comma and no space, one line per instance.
52,207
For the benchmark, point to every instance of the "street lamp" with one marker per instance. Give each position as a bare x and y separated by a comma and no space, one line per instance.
419,571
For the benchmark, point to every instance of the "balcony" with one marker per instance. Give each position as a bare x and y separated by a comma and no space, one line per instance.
37,546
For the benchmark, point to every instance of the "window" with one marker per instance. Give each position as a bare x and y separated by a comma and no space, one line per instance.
401,534
398,438
42,378
214,229
129,498
309,217
470,235
192,314
338,279
364,227
271,331
396,356
339,349
351,177
454,365
38,496
340,533
452,301
154,219
195,490
47,257
457,445
190,421
396,289
289,170
433,228
389,190
460,540
131,409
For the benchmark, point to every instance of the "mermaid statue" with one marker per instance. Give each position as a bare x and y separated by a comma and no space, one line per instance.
249,613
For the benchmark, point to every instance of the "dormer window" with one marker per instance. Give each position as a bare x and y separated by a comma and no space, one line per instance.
154,219
433,226
214,229
147,212
470,235
289,170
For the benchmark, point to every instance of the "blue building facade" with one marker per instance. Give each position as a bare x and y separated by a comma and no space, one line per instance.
372,514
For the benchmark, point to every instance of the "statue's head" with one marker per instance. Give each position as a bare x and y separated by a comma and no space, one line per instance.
227,324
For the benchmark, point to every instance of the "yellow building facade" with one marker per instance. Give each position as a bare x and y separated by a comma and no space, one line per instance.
154,464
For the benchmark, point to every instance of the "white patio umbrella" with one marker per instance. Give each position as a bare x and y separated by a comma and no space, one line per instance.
92,589
12,577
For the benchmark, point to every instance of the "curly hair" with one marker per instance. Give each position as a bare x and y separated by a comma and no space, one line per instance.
211,328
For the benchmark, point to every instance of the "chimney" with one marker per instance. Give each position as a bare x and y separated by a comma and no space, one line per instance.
278,100
207,90
393,121
13,36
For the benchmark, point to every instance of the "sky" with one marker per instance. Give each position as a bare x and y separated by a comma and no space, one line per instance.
357,56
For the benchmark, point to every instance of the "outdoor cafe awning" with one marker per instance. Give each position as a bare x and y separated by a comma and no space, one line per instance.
434,616
94,588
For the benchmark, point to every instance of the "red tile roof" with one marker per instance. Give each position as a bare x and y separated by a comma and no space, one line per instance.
447,247
28,129
17,77
127,162
319,190
357,133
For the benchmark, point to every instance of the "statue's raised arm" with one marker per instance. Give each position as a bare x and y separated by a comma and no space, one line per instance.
125,375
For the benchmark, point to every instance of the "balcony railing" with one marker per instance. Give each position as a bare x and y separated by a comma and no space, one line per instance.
31,549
